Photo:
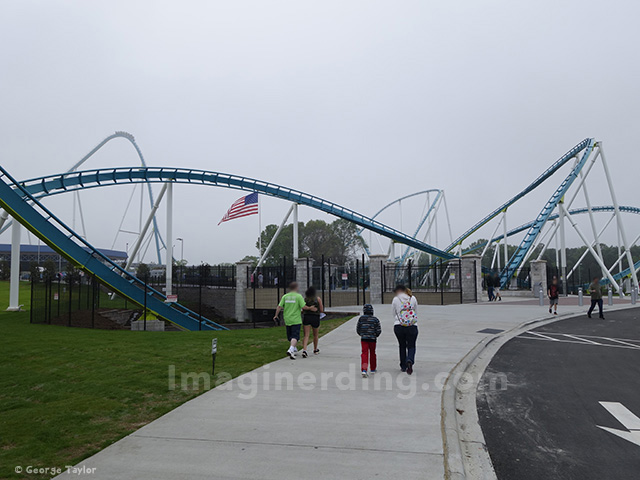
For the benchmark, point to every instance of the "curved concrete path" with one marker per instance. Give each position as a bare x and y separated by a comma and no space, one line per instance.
330,424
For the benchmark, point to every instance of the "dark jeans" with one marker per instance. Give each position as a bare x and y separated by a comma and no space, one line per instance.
593,305
407,343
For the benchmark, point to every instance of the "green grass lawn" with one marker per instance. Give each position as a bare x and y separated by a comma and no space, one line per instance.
66,393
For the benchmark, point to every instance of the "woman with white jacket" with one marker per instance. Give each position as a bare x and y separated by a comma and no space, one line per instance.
404,307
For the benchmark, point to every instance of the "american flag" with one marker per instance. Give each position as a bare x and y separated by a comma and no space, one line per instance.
242,207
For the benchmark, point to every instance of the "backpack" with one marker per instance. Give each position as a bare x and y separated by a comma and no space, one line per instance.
407,315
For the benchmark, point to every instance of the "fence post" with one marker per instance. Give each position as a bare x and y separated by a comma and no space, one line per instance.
200,298
70,298
409,274
330,279
46,300
146,279
357,279
460,278
322,279
441,284
93,301
59,296
383,269
31,302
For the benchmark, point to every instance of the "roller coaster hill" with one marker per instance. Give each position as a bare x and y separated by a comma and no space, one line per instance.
22,201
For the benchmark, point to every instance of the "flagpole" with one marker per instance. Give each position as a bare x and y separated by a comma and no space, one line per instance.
259,227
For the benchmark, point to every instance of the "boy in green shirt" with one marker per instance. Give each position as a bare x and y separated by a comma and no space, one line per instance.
292,304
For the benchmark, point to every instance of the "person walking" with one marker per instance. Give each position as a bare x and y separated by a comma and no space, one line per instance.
404,307
553,292
292,304
369,329
489,282
496,288
311,320
260,280
595,290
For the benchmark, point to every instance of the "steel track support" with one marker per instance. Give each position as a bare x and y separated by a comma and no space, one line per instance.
169,240
619,221
14,286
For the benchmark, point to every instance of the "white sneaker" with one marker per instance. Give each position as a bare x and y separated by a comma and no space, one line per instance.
364,374
292,353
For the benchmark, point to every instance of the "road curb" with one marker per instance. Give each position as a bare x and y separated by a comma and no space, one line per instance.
465,451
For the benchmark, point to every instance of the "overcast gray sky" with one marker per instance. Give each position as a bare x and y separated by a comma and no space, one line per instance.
359,102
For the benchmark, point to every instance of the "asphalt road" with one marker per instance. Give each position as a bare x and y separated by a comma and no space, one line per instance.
545,424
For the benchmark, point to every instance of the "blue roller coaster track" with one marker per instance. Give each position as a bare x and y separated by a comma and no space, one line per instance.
25,208
581,152
68,182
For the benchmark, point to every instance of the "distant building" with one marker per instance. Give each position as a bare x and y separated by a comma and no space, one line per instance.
41,253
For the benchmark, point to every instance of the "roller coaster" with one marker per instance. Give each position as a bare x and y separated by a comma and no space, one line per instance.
22,200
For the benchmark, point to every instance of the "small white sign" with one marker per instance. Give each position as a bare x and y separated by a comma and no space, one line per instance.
214,346
345,276
172,298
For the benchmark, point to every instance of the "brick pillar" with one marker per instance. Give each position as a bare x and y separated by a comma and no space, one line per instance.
471,278
538,277
376,264
241,290
301,274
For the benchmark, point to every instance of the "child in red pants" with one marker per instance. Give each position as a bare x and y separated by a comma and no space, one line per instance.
369,330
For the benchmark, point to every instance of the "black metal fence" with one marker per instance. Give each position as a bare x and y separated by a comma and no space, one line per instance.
78,300
216,276
443,278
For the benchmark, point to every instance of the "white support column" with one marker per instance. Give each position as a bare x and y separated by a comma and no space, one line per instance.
563,249
295,231
504,237
593,252
275,236
616,206
169,256
489,242
14,288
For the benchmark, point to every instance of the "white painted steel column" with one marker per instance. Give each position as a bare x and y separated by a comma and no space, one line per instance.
592,221
295,231
563,248
14,288
616,206
504,237
169,256
273,240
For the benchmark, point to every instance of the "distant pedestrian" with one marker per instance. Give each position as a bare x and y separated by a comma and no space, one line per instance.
496,288
369,330
311,320
276,280
404,307
292,304
260,280
489,280
553,292
595,289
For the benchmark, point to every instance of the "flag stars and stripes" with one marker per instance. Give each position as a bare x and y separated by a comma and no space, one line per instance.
243,207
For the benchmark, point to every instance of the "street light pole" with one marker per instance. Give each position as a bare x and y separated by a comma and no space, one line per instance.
181,240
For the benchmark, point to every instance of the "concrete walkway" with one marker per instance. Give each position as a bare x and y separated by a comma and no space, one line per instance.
330,424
